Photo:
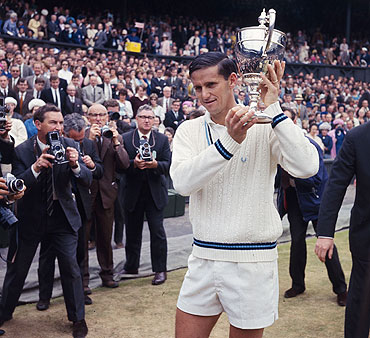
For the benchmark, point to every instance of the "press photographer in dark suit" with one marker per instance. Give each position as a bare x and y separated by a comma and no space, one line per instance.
7,221
47,213
146,193
74,128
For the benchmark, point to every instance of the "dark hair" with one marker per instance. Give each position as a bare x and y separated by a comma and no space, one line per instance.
74,76
225,65
170,130
123,92
195,114
111,103
54,78
22,80
291,111
40,80
40,113
73,121
311,125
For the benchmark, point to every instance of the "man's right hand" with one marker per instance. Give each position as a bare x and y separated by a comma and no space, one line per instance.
323,247
238,120
3,188
5,133
44,161
139,163
94,132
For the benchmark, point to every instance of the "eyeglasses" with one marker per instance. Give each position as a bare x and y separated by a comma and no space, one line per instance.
96,115
143,117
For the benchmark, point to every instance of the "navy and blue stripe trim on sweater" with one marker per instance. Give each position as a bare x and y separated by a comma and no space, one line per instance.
222,150
235,246
277,119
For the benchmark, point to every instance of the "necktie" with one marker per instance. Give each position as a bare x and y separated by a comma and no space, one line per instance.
47,181
176,114
94,94
21,105
56,98
167,105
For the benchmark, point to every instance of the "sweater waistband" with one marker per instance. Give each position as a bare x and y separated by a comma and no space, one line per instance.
235,246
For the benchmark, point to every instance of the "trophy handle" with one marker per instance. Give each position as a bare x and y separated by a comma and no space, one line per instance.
271,20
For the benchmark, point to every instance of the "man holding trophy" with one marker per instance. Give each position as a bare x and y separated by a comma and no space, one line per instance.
226,161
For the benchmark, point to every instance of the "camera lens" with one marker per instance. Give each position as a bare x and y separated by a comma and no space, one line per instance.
16,185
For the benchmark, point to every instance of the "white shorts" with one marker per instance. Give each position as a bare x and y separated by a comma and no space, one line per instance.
247,292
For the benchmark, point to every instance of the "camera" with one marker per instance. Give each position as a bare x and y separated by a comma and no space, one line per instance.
56,147
14,184
4,110
145,150
106,132
114,116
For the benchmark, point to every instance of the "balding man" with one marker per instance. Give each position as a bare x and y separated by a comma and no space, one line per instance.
166,101
37,69
107,87
104,191
72,103
92,93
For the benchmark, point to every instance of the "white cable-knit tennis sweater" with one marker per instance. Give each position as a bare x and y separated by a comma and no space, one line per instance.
231,200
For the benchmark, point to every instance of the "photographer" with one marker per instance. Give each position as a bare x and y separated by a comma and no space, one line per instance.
47,213
74,127
146,193
7,218
104,191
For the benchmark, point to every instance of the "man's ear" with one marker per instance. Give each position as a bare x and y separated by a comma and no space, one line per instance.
232,80
38,124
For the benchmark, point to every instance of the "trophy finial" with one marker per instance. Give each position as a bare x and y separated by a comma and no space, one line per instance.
262,19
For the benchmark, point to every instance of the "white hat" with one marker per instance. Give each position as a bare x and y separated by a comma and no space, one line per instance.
10,99
35,103
325,125
44,12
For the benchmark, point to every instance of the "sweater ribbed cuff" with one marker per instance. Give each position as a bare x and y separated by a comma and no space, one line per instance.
273,110
227,146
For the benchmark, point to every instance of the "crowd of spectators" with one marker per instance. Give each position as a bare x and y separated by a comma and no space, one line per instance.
78,78
168,36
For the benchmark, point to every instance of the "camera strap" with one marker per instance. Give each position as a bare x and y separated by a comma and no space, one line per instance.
137,147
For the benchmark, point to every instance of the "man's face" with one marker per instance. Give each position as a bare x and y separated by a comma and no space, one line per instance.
65,65
365,104
212,90
241,96
55,83
75,82
3,81
114,109
53,121
98,115
18,59
159,73
22,86
15,72
145,121
107,78
173,72
39,86
167,92
175,106
93,81
71,91
77,135
37,69
54,71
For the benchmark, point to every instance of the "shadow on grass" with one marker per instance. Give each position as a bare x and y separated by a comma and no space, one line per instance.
137,309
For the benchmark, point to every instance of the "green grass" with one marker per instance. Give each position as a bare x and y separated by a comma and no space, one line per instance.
137,309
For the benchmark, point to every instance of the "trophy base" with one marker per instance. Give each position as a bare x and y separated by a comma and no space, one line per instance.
263,118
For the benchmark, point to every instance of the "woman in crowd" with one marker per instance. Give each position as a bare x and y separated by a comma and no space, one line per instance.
158,109
139,99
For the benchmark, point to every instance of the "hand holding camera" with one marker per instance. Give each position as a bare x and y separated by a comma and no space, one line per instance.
11,187
3,188
44,161
5,129
72,156
88,162
95,132
143,164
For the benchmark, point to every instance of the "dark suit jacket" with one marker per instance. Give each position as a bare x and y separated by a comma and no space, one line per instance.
353,159
75,107
155,178
171,121
63,84
113,87
84,201
10,92
157,86
31,211
28,97
47,96
114,159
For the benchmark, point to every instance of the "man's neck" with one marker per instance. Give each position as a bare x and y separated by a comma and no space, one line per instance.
220,117
41,139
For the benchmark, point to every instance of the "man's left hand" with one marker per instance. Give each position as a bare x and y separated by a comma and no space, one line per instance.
270,84
151,164
72,156
17,196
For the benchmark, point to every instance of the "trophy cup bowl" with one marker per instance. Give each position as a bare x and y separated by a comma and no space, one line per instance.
256,47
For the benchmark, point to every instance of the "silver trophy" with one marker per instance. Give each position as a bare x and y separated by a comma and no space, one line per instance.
256,47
